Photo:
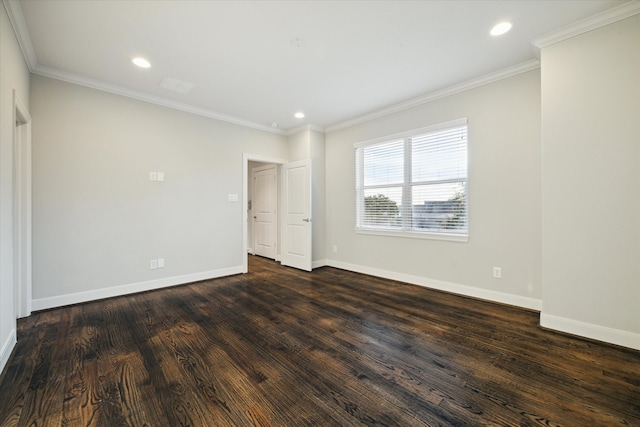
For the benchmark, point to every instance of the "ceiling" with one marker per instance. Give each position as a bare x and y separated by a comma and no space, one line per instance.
256,63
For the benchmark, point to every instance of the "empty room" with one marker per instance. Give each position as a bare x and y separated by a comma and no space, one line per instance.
319,213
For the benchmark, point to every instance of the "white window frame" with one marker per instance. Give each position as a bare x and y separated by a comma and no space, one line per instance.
405,230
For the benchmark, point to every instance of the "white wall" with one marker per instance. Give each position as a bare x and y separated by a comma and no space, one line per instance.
299,148
504,197
14,75
317,150
591,192
98,220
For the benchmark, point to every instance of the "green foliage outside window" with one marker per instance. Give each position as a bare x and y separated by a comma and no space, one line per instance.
381,210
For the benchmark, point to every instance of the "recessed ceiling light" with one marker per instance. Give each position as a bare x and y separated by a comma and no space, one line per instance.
299,115
501,28
141,62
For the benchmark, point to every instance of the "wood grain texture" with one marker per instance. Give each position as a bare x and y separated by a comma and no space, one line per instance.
281,347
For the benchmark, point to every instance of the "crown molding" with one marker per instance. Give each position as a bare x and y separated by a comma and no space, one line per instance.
317,128
607,17
16,17
14,10
151,99
524,67
298,129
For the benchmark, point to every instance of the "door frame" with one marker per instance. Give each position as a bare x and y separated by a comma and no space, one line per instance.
22,274
272,168
246,158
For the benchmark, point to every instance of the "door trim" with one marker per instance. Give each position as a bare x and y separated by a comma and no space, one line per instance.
272,170
246,158
22,286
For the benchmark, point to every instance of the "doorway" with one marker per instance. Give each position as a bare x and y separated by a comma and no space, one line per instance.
250,162
293,247
263,210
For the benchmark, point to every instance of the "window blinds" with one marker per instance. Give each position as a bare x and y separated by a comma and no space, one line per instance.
414,184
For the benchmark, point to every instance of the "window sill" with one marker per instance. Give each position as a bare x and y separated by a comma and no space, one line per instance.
460,238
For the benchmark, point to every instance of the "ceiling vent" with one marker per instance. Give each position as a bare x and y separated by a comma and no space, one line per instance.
177,85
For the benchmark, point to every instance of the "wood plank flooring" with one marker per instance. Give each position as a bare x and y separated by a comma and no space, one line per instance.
281,347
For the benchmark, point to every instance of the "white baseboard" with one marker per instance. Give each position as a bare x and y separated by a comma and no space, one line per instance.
7,348
75,298
319,263
590,330
470,291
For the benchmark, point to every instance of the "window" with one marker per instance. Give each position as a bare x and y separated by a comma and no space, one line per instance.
414,184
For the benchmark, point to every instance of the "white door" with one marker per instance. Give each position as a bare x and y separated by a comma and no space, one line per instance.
296,239
264,209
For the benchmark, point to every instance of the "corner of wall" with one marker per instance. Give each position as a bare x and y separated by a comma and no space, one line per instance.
590,330
7,348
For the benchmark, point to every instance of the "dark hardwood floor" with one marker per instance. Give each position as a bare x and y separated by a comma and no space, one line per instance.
280,347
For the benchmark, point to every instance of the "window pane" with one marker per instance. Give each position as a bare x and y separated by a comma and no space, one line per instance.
382,208
440,207
384,163
439,156
415,185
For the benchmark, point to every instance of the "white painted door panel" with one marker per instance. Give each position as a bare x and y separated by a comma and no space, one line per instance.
296,242
265,201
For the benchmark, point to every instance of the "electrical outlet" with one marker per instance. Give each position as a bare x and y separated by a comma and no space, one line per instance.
153,264
497,273
160,262
335,249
